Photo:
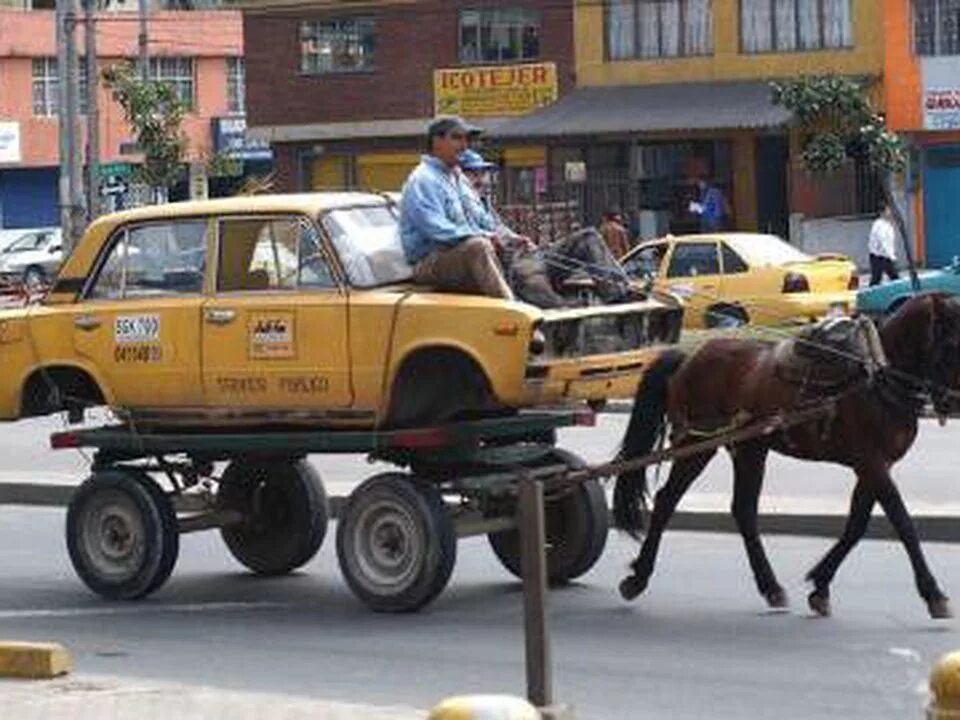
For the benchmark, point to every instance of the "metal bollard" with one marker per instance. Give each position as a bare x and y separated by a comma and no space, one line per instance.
945,688
482,707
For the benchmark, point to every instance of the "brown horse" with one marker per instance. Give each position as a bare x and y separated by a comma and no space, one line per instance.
873,425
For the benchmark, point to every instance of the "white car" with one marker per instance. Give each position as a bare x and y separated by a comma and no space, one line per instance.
32,257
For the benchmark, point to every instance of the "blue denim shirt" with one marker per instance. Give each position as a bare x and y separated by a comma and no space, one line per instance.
435,210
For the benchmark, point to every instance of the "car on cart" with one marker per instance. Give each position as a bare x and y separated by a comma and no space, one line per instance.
299,308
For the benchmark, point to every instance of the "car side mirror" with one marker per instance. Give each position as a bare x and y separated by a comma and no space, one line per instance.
55,249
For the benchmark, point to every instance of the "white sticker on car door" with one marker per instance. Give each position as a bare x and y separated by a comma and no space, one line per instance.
136,328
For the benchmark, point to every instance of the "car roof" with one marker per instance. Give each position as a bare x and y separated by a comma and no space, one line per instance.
306,203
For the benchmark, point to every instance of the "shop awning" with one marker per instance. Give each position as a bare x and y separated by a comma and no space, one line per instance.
651,108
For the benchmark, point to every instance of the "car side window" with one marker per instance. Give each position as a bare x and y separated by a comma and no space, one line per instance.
271,254
732,262
693,259
165,258
646,261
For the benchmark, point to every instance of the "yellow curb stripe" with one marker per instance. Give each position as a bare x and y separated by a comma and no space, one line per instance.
33,660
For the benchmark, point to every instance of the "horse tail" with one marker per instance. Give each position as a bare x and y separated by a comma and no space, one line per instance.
645,427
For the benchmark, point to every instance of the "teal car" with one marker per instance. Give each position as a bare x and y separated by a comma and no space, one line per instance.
884,299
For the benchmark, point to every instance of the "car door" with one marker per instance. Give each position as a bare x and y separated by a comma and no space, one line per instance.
139,317
275,330
693,273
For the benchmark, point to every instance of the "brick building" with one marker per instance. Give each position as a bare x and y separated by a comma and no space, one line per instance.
200,53
344,90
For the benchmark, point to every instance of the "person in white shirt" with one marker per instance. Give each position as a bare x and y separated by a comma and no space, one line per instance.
882,248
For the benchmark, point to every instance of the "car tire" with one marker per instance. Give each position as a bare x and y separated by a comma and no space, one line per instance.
34,277
122,534
725,316
285,514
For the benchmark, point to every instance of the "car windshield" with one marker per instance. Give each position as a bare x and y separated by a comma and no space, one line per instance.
767,250
33,241
367,239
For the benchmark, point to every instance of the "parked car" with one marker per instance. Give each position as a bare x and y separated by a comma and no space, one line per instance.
740,278
883,299
32,257
269,309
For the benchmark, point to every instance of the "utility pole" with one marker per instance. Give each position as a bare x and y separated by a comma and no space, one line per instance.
142,41
63,125
93,112
70,73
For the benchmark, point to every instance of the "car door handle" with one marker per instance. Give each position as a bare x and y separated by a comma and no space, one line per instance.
220,317
86,322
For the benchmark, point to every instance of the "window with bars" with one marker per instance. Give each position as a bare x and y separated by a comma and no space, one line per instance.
795,25
658,28
236,85
492,35
936,27
330,46
46,86
178,72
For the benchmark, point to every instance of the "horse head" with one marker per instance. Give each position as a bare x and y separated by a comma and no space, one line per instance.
924,334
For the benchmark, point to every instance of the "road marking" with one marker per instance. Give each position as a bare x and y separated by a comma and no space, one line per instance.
143,609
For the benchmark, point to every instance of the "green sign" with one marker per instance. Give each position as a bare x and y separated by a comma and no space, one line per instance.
121,171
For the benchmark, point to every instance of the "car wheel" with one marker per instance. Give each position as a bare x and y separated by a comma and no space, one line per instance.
34,278
726,316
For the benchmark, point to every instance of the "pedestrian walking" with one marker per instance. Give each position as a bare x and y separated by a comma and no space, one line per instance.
614,233
882,247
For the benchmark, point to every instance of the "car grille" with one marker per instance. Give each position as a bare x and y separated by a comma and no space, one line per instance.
611,333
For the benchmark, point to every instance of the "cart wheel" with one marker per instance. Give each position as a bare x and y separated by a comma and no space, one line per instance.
577,525
284,510
122,534
396,543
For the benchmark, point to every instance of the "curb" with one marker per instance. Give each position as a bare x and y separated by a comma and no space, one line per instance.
931,528
34,661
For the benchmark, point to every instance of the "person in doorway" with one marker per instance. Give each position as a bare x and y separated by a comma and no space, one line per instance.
614,233
446,246
882,247
711,206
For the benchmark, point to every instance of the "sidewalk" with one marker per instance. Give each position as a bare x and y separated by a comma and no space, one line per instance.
90,697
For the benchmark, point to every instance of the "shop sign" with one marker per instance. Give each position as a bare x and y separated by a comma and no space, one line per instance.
230,138
941,109
499,90
10,142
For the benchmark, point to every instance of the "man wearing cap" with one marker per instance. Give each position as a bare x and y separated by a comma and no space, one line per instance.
443,238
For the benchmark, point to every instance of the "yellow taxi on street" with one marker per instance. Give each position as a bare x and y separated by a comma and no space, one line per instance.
729,279
299,308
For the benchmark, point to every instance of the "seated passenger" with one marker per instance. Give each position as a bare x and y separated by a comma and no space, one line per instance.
446,248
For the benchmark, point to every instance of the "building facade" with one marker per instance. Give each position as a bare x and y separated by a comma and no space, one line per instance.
200,53
673,92
923,104
343,91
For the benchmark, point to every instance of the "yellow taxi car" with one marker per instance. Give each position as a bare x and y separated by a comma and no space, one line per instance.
739,278
297,308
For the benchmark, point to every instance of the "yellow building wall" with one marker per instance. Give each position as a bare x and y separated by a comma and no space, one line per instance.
866,57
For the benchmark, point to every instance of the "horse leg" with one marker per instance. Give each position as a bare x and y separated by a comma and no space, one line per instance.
748,464
861,504
889,497
682,475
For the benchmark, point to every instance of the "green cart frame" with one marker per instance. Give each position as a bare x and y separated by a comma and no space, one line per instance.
397,531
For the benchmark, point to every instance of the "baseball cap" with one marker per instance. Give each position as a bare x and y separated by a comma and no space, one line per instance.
472,160
447,123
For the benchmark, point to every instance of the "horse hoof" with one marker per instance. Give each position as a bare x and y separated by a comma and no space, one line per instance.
631,587
940,609
777,598
820,604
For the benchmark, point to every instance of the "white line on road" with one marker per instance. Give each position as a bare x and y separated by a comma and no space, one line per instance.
144,609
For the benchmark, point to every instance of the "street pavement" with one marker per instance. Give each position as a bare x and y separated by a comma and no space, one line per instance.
699,643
